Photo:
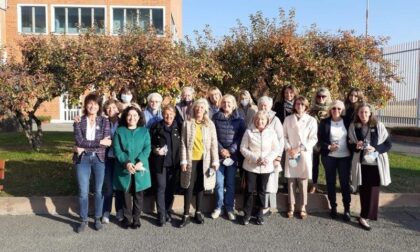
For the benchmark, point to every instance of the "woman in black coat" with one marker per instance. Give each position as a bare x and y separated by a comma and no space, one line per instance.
336,155
165,161
353,98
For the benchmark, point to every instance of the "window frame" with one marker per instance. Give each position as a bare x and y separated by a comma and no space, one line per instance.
19,18
78,6
111,16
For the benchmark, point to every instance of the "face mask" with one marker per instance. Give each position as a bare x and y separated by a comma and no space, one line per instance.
293,162
187,103
371,157
244,102
126,98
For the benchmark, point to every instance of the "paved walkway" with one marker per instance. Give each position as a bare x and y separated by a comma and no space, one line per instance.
398,229
412,149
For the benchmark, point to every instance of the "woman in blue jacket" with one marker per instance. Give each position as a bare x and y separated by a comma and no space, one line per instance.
230,128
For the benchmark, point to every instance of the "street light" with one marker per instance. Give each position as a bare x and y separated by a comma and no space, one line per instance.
367,17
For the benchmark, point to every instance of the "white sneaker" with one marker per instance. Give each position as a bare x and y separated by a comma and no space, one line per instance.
216,213
105,218
120,215
231,216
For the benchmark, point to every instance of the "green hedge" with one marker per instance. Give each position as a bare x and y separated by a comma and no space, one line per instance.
406,131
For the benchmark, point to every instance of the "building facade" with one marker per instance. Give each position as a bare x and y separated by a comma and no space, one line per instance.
3,7
72,17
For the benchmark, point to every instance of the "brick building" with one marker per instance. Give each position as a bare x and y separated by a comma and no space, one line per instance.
72,17
2,23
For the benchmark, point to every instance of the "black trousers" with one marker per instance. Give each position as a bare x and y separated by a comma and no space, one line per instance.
255,181
196,185
343,165
166,185
132,202
315,167
369,192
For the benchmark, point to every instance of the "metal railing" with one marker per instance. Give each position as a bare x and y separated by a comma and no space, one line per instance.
404,110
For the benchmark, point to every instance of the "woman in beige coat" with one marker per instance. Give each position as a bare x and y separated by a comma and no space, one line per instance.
199,158
259,149
300,135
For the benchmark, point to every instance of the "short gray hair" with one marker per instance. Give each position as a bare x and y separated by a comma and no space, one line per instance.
156,95
338,104
265,99
188,88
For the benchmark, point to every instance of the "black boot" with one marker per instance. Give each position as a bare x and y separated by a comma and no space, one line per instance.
136,224
199,218
333,213
185,221
81,228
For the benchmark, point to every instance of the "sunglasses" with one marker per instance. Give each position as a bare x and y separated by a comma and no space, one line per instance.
321,96
335,108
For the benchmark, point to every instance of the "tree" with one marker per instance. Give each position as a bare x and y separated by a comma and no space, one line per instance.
49,66
270,53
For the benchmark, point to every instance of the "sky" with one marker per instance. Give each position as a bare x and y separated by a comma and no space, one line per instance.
397,19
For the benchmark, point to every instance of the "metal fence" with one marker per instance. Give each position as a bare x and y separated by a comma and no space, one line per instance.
404,110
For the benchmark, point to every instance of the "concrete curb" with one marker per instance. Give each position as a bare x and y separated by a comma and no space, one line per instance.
69,205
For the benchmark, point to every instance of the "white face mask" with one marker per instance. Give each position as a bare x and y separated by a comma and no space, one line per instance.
126,98
245,102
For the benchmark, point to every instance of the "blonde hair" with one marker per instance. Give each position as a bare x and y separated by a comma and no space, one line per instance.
337,103
232,99
205,104
319,91
303,100
261,114
211,89
248,95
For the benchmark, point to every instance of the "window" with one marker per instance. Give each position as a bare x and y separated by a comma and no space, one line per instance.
75,20
32,19
143,18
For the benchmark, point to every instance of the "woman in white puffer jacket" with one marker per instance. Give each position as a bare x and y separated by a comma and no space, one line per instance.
259,149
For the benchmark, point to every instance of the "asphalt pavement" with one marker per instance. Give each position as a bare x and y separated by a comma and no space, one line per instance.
398,229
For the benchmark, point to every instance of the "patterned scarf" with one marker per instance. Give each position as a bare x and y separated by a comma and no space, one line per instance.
288,106
319,111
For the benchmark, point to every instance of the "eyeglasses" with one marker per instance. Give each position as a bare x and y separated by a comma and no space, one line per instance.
321,96
335,108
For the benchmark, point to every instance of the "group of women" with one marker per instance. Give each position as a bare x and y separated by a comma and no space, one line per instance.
200,144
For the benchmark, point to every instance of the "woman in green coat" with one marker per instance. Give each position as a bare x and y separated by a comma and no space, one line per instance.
132,175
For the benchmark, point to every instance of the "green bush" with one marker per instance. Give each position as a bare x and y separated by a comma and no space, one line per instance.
44,118
406,131
9,124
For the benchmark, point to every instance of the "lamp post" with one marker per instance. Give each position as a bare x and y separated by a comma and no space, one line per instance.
367,18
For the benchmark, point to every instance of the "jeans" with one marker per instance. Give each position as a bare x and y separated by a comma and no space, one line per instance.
108,188
88,163
343,165
225,174
166,184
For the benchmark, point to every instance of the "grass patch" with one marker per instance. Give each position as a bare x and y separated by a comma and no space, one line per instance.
50,172
405,174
